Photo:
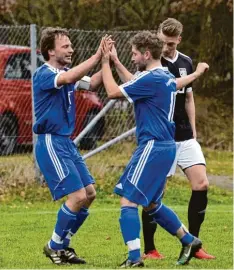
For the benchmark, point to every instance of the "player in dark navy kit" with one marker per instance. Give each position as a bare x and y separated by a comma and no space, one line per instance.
58,158
153,94
189,156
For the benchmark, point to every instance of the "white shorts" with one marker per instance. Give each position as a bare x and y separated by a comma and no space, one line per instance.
188,154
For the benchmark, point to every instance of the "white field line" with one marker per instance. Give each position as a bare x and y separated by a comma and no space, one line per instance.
98,210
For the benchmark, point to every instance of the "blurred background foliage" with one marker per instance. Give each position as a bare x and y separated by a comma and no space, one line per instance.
207,36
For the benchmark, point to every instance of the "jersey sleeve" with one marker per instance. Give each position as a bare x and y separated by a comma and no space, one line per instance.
48,79
139,87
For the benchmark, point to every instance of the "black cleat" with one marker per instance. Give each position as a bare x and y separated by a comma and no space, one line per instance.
189,251
129,264
56,256
71,257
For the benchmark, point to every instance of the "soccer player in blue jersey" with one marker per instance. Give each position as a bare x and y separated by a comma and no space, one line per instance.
153,94
61,164
189,156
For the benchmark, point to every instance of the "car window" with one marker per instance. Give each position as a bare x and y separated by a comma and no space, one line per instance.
18,66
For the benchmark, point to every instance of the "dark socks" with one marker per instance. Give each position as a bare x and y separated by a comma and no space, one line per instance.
149,229
196,210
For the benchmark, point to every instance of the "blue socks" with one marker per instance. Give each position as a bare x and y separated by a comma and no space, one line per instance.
80,218
65,221
187,239
167,219
130,228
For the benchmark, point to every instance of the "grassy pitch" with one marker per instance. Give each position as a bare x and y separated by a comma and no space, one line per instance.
26,227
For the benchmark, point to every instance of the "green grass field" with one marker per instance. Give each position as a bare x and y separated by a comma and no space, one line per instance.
26,227
28,216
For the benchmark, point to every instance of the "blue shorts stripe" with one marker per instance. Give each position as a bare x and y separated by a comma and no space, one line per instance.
151,144
56,157
141,163
53,157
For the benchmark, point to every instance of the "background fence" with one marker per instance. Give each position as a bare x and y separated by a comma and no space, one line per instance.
16,159
16,104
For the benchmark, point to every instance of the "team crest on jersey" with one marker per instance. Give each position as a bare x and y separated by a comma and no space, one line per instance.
183,72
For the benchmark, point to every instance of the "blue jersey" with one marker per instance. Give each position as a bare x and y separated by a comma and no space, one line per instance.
54,106
153,93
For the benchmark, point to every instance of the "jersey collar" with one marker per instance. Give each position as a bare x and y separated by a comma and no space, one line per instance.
174,59
158,67
55,69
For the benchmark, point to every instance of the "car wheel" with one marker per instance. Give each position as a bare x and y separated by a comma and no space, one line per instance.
8,134
90,139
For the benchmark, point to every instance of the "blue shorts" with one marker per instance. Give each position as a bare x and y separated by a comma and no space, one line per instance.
145,176
62,165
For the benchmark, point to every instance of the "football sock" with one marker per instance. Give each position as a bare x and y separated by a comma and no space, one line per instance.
187,239
166,218
130,228
65,221
196,210
80,218
149,229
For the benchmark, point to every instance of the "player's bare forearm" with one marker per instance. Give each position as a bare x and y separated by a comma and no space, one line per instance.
184,81
123,73
111,86
96,80
76,73
191,112
200,69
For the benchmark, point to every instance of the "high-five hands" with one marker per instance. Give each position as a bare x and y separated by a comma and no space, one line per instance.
107,45
108,40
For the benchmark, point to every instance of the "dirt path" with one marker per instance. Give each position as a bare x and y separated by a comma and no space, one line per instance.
222,181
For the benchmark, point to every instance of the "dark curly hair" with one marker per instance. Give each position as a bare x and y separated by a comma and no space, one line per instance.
147,41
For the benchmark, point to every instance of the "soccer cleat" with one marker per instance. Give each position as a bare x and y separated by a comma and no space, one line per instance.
189,251
56,256
201,254
153,254
129,264
71,257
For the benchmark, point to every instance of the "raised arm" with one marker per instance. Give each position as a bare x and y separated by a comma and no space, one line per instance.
112,89
76,73
183,81
123,73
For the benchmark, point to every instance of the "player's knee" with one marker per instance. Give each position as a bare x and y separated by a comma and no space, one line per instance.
91,195
202,184
79,197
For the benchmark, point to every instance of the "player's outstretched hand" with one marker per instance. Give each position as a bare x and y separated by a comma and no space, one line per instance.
113,53
108,39
201,68
105,51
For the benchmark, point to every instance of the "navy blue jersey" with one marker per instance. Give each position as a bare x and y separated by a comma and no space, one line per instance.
54,106
180,66
153,94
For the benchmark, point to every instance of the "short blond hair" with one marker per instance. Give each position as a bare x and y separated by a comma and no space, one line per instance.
171,27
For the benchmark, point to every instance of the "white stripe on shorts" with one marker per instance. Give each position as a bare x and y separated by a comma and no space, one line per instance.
141,163
57,165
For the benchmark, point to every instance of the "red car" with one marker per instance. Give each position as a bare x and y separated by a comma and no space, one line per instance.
16,103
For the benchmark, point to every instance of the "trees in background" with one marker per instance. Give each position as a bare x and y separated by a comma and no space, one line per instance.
208,31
